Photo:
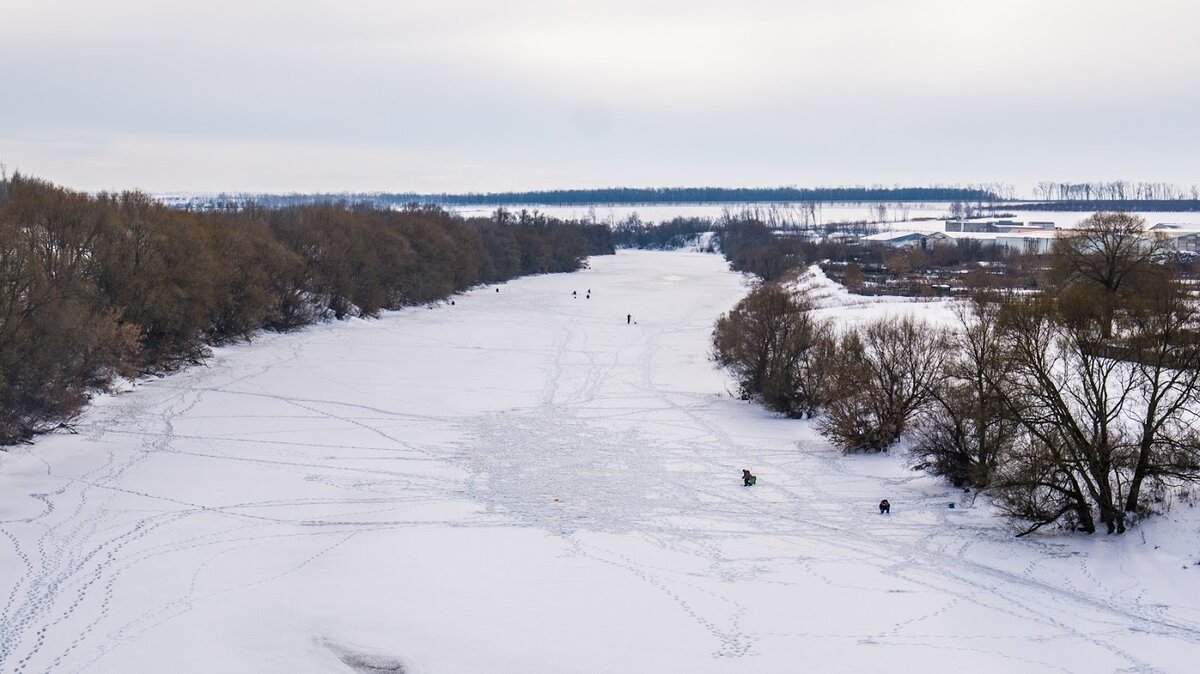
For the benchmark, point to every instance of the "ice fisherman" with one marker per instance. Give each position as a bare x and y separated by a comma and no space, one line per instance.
748,480
885,508
628,319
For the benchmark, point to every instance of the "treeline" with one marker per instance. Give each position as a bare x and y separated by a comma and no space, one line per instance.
96,286
698,195
1114,191
754,248
613,195
748,244
672,234
1077,406
1134,205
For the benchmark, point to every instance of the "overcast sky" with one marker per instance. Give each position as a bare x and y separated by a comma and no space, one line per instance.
459,95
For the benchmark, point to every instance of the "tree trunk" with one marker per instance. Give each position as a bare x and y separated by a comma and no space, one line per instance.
1139,471
1084,514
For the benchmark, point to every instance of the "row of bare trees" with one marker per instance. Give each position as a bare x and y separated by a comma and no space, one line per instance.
1116,190
1068,406
1064,416
95,286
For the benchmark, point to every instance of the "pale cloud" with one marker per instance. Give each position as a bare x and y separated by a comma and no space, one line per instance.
462,95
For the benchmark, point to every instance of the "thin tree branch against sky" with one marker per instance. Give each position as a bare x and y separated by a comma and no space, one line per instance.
457,95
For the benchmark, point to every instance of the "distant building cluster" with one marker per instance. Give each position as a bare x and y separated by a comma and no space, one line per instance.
995,226
1033,237
1181,237
1024,237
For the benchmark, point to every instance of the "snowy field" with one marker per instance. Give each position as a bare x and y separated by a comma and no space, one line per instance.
923,216
826,212
522,482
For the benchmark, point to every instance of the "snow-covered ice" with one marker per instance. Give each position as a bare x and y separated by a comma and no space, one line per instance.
522,482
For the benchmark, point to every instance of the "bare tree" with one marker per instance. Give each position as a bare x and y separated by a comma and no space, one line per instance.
881,376
966,430
1105,258
1100,416
1060,394
775,348
853,277
1162,345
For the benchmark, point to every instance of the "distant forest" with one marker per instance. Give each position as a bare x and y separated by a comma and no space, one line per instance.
608,196
92,287
1140,205
1115,195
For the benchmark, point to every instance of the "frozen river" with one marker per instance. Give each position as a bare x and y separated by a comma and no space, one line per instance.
523,482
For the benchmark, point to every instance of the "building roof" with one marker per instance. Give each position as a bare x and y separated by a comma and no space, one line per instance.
1007,234
896,236
1176,228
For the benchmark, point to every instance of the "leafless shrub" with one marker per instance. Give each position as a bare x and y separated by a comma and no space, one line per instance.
880,377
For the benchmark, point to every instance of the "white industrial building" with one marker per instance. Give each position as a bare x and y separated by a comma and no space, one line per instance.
1023,240
1033,238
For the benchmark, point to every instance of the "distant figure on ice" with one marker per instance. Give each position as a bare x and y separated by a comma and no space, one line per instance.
497,290
885,508
574,294
628,319
748,480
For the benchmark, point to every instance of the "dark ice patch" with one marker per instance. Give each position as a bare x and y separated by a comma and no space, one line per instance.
365,663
